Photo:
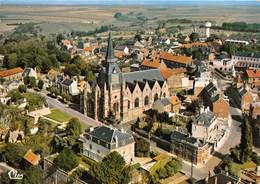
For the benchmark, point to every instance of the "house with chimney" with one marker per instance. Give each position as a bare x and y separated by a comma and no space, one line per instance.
100,141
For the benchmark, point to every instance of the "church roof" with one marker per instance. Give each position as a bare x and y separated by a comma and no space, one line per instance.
110,50
153,74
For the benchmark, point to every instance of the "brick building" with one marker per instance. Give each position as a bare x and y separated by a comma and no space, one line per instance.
190,148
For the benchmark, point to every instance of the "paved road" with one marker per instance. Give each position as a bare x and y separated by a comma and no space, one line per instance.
54,103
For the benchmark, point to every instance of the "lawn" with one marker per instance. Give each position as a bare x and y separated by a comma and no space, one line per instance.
160,164
236,167
59,115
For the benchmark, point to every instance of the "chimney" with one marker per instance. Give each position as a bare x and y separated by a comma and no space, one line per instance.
122,130
201,110
91,129
116,141
216,180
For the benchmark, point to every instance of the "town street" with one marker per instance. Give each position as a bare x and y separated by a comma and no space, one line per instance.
54,103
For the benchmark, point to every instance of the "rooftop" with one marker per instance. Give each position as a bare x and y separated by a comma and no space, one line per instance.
31,157
110,134
10,72
176,58
153,74
253,73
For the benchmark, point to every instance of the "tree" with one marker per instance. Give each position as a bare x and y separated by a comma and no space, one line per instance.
59,38
66,160
197,55
13,154
72,70
142,147
30,81
22,88
112,169
246,141
162,173
12,60
74,127
229,48
90,76
138,37
33,175
194,37
15,95
40,84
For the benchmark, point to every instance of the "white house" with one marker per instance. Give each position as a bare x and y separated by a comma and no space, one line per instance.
206,126
226,65
99,142
29,72
69,86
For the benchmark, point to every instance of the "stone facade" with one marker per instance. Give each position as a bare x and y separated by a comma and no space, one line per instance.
126,95
103,140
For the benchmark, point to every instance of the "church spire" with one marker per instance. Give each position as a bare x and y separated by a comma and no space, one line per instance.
110,50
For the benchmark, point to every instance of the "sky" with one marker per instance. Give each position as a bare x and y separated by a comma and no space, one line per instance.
121,2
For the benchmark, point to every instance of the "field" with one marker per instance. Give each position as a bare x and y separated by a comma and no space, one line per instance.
53,19
59,116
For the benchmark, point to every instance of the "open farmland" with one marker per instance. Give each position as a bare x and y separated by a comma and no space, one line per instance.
54,19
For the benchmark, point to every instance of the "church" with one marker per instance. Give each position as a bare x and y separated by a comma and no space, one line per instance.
126,95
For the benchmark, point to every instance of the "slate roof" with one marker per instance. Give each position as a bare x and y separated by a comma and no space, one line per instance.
211,90
131,86
67,82
184,138
153,74
205,118
109,134
165,101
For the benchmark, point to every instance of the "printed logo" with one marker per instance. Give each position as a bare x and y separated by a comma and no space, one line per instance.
14,175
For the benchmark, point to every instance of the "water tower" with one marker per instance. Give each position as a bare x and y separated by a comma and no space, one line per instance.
208,26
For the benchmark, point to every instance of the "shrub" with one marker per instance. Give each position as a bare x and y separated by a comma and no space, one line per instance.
162,172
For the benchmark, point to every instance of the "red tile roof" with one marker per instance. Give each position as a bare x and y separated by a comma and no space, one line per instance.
174,100
253,73
151,63
10,72
166,72
32,157
194,44
175,58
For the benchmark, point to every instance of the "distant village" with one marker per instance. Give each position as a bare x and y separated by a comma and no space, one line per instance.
177,108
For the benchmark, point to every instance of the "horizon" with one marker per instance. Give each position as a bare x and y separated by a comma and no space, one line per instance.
129,2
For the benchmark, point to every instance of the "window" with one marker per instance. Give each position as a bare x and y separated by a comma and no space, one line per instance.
146,100
128,105
90,146
137,102
164,94
116,107
155,97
